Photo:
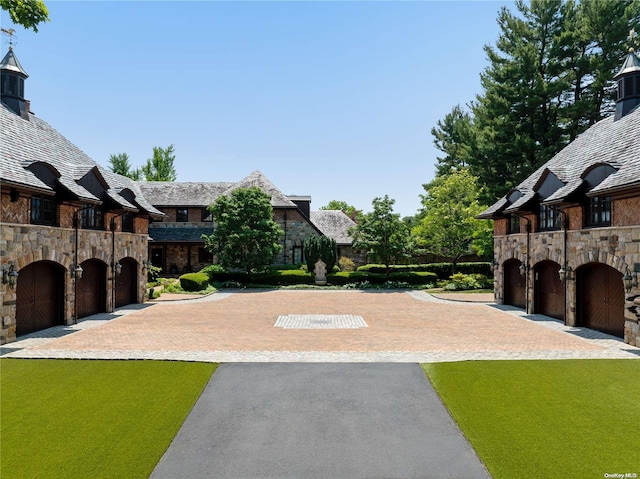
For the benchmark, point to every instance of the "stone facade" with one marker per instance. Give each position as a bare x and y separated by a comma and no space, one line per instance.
616,246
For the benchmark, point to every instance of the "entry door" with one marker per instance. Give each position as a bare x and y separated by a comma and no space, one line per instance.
39,297
549,290
157,258
91,289
127,283
514,285
601,292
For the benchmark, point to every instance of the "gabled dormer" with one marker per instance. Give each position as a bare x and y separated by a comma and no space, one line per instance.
628,79
12,84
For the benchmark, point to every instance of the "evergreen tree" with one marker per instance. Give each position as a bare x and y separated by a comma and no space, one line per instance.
161,166
120,165
454,136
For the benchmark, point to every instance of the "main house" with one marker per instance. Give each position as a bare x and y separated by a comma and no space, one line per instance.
73,236
176,245
567,239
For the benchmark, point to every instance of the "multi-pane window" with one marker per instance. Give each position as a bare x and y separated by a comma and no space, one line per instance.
42,211
514,224
127,223
204,256
297,254
599,211
182,215
92,218
207,216
548,218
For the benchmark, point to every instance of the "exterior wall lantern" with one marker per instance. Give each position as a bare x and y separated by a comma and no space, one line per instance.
76,273
117,267
565,274
522,269
10,276
630,279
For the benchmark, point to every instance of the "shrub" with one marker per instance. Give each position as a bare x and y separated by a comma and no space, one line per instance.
346,264
320,247
153,272
461,281
194,281
442,270
285,277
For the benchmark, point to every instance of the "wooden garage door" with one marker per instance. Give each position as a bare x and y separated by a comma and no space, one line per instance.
601,305
39,297
549,290
514,285
126,283
91,292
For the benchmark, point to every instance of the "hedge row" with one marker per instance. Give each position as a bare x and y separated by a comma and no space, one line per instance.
194,281
442,270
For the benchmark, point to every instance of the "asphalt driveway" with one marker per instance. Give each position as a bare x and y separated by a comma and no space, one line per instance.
323,420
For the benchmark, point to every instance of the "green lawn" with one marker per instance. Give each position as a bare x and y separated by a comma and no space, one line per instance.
546,419
92,419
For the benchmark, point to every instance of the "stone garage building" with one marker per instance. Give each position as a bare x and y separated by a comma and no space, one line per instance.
567,239
73,238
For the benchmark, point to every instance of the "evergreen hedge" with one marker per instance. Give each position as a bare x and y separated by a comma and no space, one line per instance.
194,281
442,270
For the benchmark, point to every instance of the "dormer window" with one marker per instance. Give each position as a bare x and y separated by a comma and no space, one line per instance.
42,211
599,211
514,224
548,219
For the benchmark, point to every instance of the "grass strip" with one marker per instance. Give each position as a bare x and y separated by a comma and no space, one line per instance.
544,419
98,419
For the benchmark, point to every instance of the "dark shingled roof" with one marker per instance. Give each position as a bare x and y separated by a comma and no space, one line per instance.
179,234
25,142
615,143
257,179
170,193
333,224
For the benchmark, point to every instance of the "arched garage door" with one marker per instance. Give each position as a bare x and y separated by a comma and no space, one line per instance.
39,297
91,288
127,283
549,290
514,284
601,299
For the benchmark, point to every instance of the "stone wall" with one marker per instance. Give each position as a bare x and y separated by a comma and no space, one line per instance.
23,244
618,247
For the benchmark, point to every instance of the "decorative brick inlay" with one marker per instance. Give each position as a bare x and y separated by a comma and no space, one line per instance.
320,321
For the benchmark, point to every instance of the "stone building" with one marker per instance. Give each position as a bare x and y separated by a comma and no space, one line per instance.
73,236
177,246
567,239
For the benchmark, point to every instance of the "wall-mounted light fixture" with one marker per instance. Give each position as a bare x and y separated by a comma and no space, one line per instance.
10,276
565,274
522,269
630,279
117,268
76,272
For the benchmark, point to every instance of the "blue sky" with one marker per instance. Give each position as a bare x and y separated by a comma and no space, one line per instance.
330,99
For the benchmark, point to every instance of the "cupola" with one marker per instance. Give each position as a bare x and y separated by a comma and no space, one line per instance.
628,79
12,85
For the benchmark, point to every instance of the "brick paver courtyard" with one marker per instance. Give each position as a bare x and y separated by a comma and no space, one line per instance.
400,326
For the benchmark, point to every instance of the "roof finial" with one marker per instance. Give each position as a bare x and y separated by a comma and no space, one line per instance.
631,38
10,33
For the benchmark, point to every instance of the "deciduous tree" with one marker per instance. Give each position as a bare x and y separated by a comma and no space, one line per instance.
245,234
27,13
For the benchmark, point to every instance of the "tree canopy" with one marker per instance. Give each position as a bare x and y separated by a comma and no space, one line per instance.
447,225
383,234
160,167
245,234
351,211
27,13
120,164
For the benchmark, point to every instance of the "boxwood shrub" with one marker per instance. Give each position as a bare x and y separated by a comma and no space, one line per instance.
442,270
194,281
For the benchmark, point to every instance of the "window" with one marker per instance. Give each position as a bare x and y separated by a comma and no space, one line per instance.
514,224
207,216
548,219
127,223
42,211
204,256
182,215
92,218
599,211
297,254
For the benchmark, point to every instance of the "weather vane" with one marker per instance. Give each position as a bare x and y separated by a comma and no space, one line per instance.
10,33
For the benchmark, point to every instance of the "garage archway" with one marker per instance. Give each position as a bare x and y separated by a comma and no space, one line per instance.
91,290
601,299
127,283
549,290
39,297
515,284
